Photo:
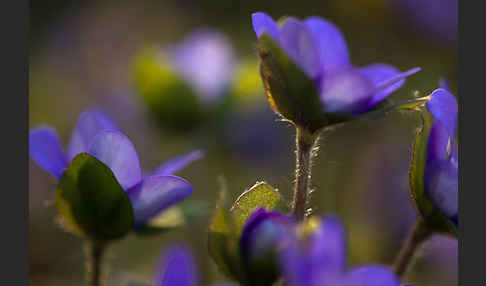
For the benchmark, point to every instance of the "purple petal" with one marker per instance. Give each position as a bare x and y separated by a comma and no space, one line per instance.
264,23
118,153
206,61
297,40
175,164
441,182
178,268
89,124
264,232
395,79
379,73
328,248
331,44
346,91
253,220
439,143
45,148
155,194
295,266
372,275
443,106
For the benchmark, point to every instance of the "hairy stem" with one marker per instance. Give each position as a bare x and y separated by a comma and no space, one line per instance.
304,143
416,237
94,256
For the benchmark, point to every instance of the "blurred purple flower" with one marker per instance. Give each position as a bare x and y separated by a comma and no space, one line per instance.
441,182
178,268
436,18
264,236
322,261
319,49
205,59
262,232
98,135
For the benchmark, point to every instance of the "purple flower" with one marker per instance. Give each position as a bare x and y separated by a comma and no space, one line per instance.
262,240
205,59
322,260
440,177
319,49
98,135
178,268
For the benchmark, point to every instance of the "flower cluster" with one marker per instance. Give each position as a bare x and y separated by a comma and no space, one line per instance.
261,238
312,252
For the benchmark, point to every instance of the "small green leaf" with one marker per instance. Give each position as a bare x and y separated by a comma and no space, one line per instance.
433,217
91,202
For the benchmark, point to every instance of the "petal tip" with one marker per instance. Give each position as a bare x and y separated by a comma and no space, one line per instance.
262,22
46,150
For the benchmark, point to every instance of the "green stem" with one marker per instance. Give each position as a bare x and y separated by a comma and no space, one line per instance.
304,143
94,256
416,237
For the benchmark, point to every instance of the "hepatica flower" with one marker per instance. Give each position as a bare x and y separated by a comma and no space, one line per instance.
178,268
97,135
434,177
307,72
206,61
441,164
320,260
262,240
186,82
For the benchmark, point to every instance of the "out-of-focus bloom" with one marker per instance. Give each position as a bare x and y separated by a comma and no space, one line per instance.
435,18
440,177
97,135
206,61
319,50
178,268
185,83
319,258
262,240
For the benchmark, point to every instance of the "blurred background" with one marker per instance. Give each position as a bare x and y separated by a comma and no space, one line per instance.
90,54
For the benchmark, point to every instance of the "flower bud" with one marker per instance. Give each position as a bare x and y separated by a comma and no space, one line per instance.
434,167
263,238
